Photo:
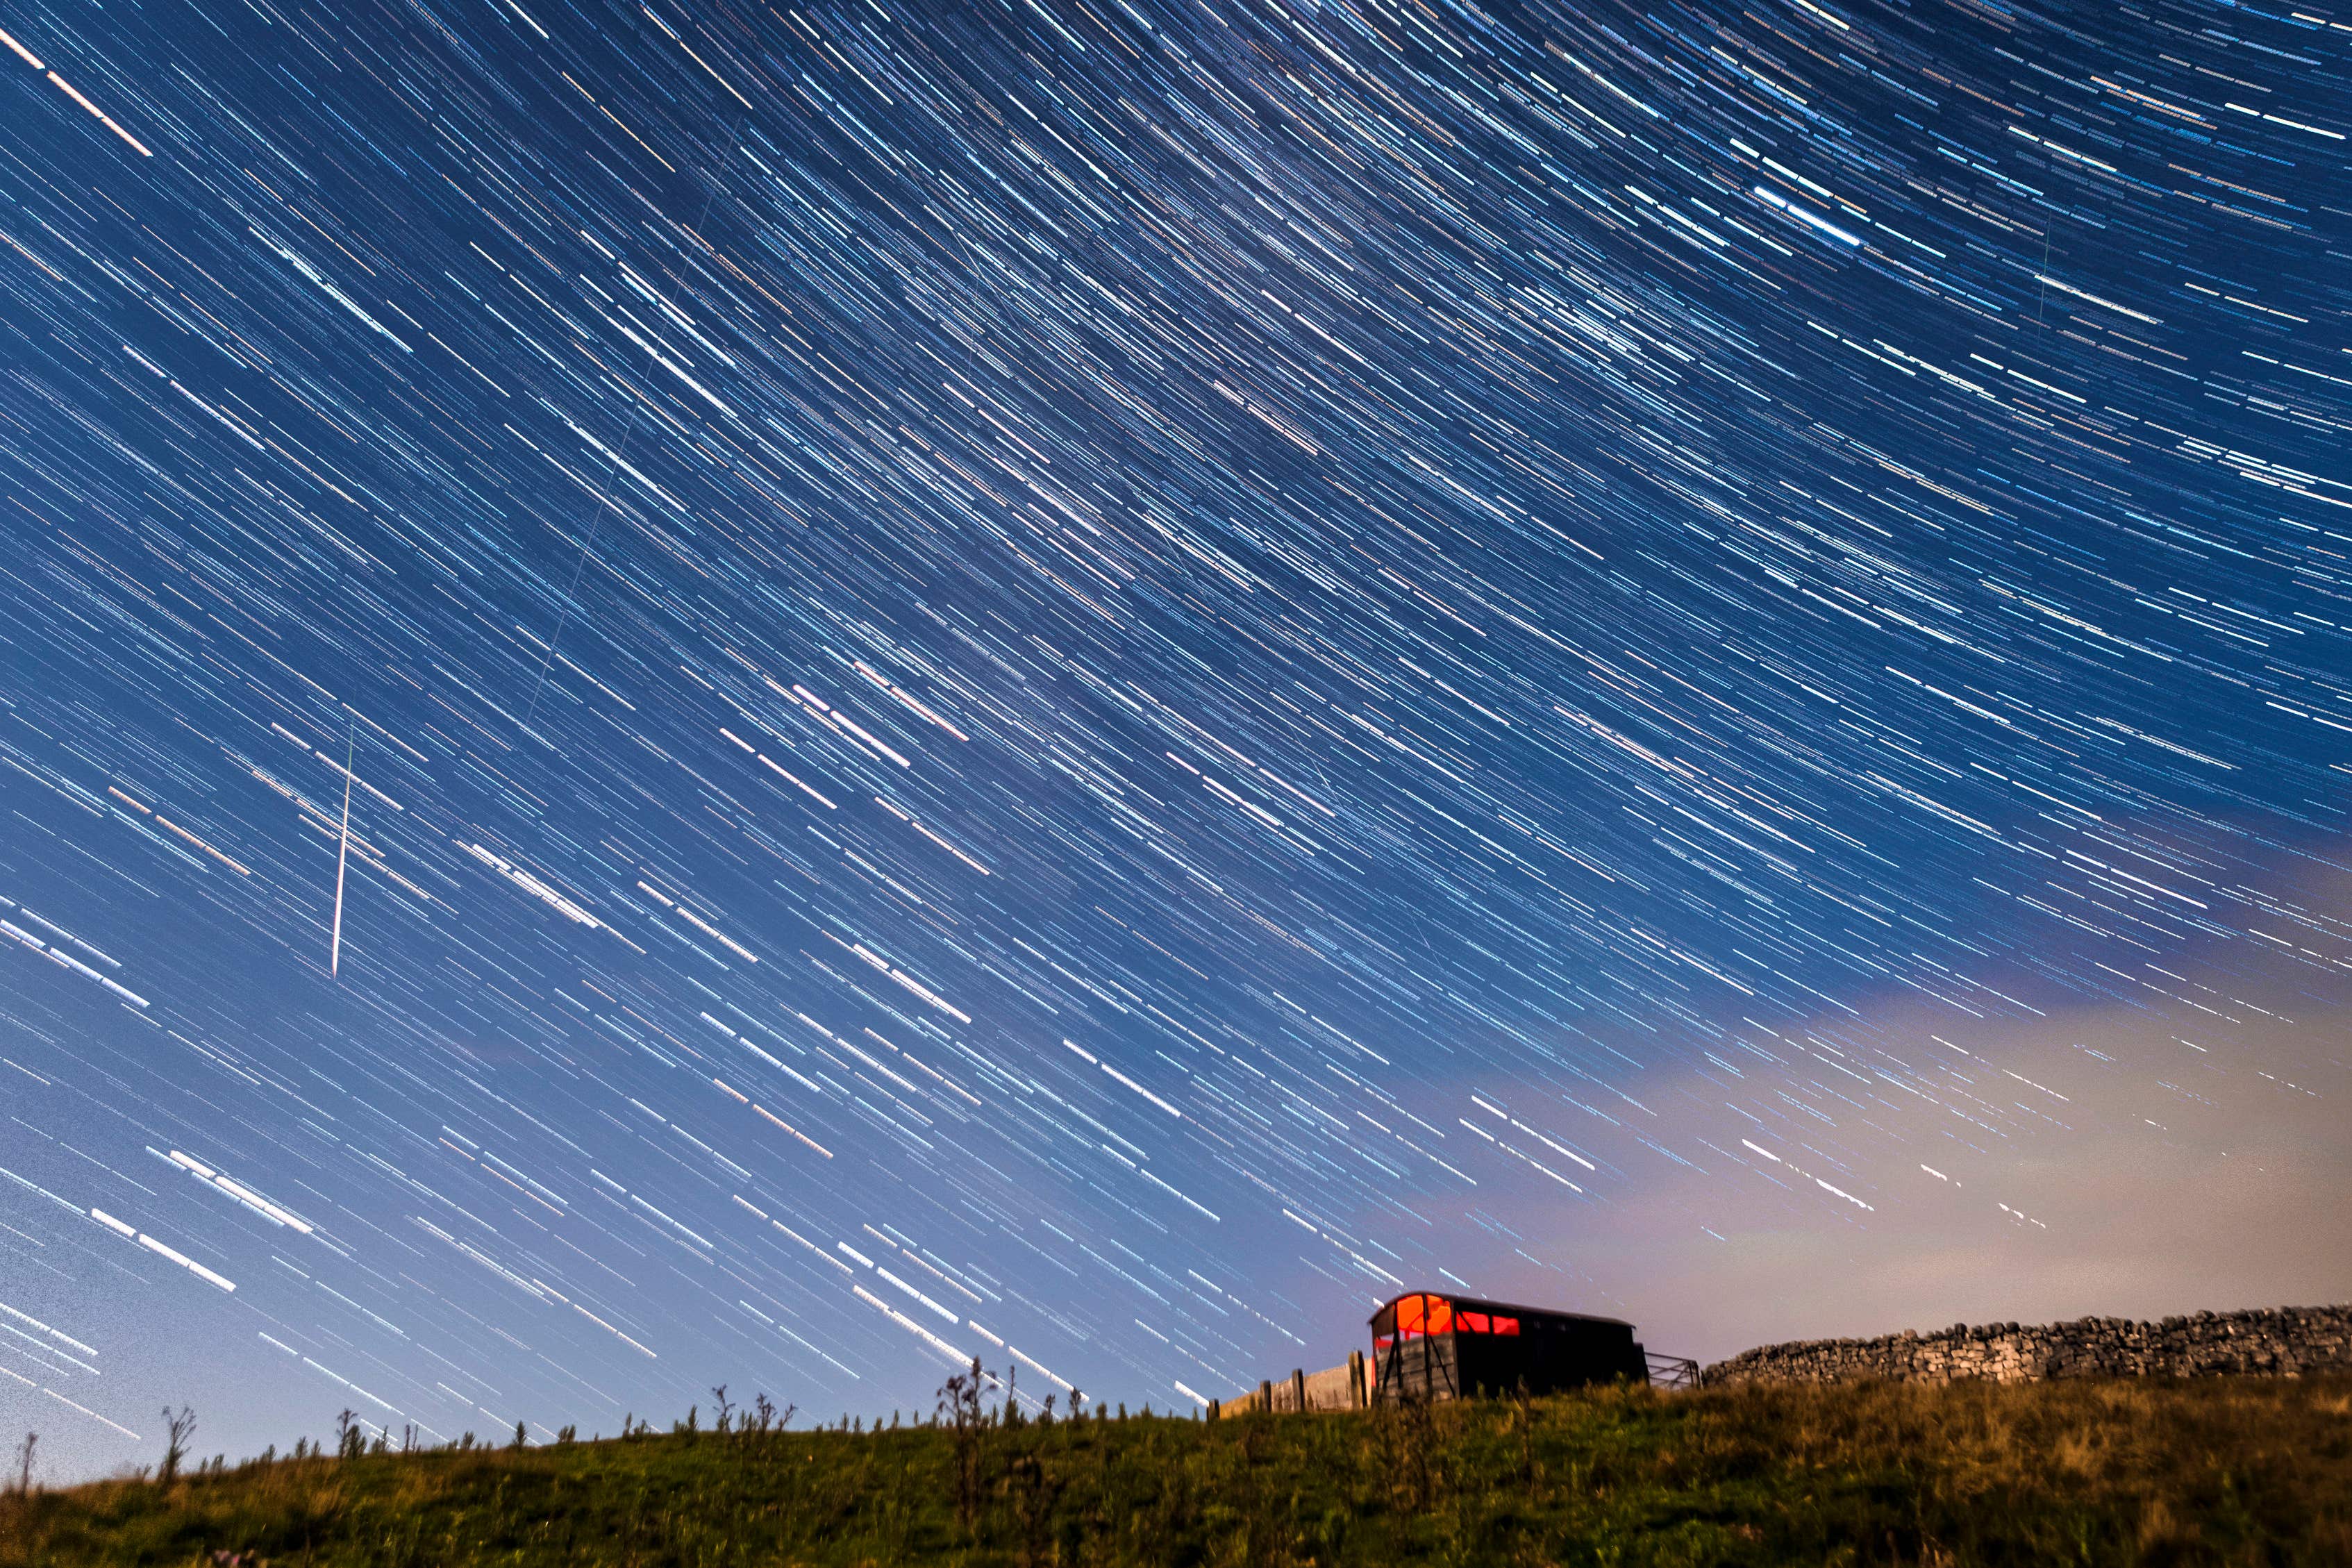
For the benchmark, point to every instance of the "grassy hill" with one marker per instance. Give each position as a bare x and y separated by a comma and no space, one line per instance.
2221,1471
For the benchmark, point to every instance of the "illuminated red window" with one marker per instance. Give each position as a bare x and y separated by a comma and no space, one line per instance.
1420,1315
1507,1325
1469,1323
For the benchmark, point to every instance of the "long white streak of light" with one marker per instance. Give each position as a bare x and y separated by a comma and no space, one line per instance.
343,853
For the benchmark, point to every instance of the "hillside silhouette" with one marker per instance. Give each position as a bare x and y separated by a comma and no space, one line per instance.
2218,1471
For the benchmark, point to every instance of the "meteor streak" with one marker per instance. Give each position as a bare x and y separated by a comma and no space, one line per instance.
342,854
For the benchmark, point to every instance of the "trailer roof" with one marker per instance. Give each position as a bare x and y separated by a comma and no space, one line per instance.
1507,1309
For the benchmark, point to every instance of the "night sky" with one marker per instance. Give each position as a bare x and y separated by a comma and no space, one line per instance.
1091,681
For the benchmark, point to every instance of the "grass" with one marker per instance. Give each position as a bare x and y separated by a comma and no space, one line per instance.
2220,1471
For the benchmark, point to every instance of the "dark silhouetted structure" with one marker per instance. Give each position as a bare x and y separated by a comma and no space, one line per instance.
1428,1346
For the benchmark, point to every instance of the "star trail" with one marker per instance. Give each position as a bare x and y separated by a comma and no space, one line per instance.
781,693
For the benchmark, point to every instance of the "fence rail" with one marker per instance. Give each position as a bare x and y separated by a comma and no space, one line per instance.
1671,1370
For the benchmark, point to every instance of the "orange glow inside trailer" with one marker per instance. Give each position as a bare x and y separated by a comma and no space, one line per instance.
1427,1345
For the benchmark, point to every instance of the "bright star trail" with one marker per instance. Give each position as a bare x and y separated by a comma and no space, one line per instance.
777,694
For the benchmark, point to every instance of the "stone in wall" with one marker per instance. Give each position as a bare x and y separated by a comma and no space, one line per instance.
2279,1342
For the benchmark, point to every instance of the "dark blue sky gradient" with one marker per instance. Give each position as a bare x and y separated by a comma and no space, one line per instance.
1088,682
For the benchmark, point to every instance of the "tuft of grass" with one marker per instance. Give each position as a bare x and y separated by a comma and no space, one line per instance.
2222,1472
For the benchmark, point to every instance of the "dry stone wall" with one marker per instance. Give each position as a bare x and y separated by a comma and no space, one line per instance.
2281,1341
